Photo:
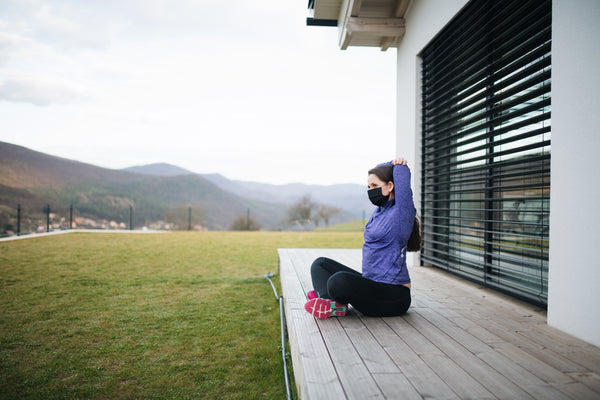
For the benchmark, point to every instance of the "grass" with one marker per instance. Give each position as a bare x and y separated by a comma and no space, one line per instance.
154,316
353,226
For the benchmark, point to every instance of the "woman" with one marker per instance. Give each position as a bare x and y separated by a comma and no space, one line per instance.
383,288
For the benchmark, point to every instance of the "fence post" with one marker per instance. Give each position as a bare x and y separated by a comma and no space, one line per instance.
18,220
130,218
71,217
190,219
48,218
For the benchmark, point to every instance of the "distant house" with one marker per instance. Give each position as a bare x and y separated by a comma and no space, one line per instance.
498,111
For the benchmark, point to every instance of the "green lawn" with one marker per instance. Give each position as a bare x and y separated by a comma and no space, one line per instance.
353,226
148,316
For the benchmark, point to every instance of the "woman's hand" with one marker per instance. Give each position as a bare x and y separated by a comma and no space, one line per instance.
399,161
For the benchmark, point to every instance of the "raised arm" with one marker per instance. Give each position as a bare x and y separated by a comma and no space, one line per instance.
403,195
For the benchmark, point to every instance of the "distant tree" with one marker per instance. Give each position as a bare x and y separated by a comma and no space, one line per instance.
301,212
325,212
180,217
245,223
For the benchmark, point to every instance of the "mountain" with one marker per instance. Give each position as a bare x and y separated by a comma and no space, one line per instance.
351,198
159,169
35,180
21,167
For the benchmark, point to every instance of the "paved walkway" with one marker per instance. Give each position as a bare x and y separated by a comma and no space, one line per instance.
61,232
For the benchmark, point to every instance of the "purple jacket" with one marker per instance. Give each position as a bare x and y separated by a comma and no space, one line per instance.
387,232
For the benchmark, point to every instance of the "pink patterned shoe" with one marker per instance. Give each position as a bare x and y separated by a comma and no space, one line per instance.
325,308
311,295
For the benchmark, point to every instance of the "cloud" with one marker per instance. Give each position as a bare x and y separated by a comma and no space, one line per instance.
38,93
203,84
10,41
71,27
60,25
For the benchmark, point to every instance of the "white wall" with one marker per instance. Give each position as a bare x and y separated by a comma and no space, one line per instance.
424,19
574,277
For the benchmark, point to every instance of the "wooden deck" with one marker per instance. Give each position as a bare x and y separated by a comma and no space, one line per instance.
457,341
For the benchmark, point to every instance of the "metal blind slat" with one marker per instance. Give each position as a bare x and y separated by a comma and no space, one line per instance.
487,119
486,142
475,60
509,87
544,157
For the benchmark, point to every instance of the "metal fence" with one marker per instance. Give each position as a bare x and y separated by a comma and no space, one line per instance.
25,220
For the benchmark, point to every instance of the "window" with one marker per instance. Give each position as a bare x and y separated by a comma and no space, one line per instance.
486,146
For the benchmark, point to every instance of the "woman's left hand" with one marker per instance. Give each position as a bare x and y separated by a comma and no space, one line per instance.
399,161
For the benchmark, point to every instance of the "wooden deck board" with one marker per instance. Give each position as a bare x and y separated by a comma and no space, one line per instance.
457,341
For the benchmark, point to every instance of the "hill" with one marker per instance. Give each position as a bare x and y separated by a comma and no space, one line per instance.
351,198
157,192
35,179
158,169
21,167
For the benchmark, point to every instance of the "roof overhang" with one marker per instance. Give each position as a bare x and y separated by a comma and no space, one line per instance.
371,23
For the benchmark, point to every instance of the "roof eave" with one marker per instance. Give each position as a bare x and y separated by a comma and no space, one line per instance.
372,23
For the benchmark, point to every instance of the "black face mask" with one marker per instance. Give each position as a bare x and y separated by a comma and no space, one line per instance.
376,197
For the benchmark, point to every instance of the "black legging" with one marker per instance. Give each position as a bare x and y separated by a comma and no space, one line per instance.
332,280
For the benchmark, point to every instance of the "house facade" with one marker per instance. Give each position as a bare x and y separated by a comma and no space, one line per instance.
497,110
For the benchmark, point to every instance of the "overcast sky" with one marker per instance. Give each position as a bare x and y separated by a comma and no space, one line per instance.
236,87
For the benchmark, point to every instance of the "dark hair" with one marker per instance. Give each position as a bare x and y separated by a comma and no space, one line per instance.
386,174
416,239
